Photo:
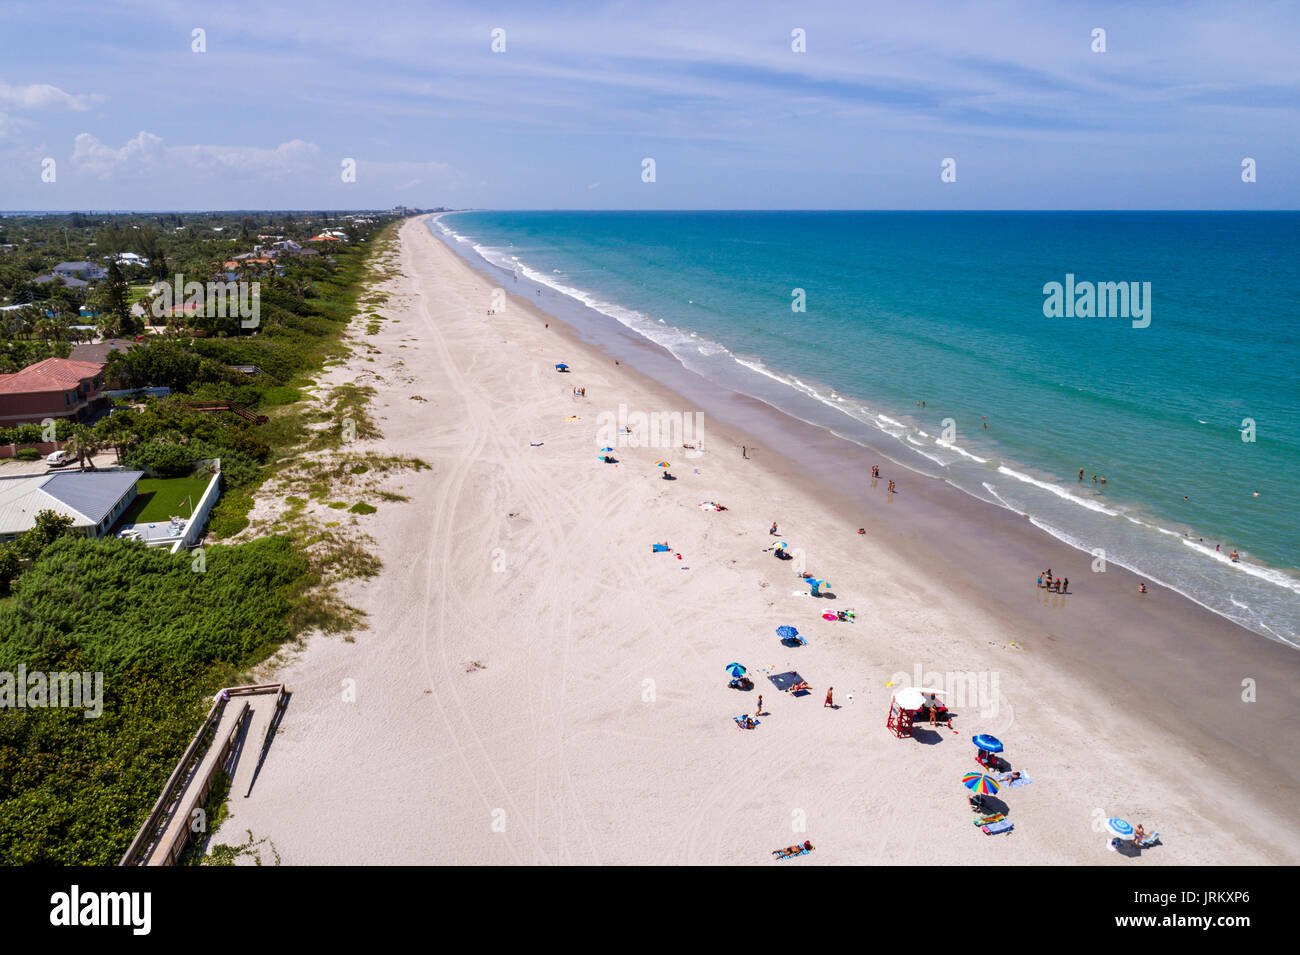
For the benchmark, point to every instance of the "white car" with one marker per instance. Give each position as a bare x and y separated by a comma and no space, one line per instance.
59,458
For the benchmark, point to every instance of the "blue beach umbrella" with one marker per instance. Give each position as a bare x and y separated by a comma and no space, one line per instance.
606,450
787,633
561,366
1120,827
736,670
985,742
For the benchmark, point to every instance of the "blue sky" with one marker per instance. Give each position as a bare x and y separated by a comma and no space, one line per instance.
713,92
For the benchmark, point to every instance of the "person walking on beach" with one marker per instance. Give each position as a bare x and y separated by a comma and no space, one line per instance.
829,699
772,531
1065,586
759,709
1040,581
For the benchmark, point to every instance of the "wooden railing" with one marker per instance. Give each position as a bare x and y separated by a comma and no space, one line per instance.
163,837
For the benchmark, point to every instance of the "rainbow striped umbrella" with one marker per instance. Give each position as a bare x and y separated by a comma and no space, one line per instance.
662,464
980,784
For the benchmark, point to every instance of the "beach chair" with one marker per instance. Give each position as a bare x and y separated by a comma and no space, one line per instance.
994,828
1150,841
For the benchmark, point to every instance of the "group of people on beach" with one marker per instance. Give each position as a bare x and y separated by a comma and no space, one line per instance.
1054,584
1094,477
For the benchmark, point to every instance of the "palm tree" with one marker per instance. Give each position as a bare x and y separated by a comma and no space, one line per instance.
83,442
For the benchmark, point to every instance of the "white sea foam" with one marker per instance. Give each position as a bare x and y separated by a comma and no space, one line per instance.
1275,577
949,446
1058,491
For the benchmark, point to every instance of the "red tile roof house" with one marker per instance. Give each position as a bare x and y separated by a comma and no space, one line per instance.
53,388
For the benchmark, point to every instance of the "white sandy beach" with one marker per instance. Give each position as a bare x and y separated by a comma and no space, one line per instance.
535,686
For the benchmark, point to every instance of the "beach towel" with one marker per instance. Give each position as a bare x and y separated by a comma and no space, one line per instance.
989,820
995,828
801,852
659,548
740,722
1023,780
783,681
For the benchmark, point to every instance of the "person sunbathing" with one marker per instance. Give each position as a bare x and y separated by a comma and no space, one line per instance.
801,685
790,851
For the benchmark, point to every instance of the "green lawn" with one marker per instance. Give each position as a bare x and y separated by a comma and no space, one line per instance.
159,498
138,292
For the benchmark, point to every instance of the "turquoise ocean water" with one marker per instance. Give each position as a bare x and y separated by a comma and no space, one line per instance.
948,308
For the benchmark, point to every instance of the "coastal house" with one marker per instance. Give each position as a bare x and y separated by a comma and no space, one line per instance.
130,258
80,270
96,353
53,388
69,281
93,499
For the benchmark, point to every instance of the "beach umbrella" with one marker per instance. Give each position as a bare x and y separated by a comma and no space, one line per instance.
736,670
787,633
662,464
561,366
985,742
1120,827
909,699
606,450
980,784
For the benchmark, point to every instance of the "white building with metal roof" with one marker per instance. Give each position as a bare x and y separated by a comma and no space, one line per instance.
93,499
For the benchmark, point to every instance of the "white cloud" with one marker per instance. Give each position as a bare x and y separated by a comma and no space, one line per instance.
43,96
147,154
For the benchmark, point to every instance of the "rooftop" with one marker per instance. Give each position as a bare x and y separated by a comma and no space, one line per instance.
51,374
85,496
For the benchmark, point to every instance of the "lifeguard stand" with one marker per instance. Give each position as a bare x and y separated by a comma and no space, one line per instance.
900,720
